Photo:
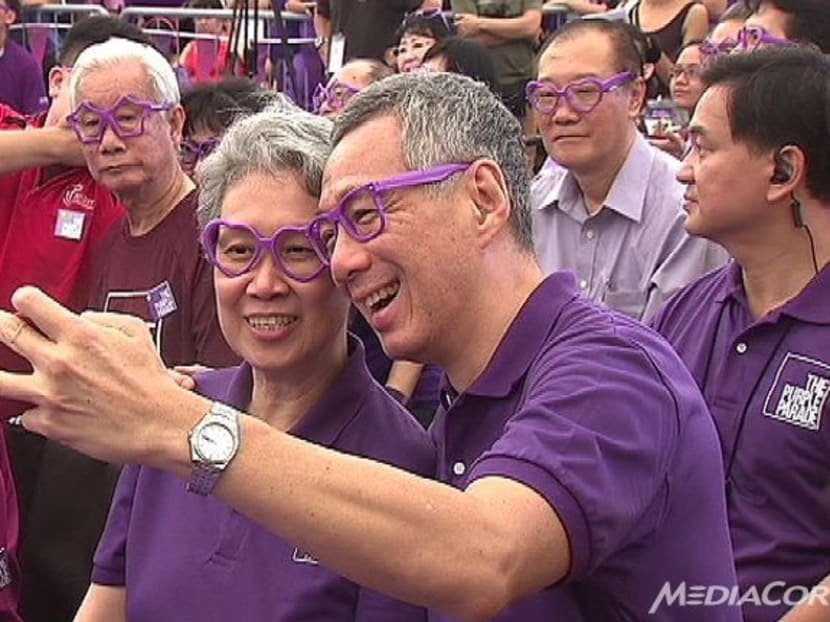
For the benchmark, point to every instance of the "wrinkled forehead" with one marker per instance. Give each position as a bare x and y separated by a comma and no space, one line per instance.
103,85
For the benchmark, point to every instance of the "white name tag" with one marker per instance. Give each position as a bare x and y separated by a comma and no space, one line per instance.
70,224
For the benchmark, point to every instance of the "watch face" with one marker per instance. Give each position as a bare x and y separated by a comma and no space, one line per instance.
215,443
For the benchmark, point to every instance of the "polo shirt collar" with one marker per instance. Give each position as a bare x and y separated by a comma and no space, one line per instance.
809,305
627,193
340,404
526,335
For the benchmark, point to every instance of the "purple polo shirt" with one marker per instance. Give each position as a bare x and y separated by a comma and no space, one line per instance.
21,80
186,557
766,382
596,413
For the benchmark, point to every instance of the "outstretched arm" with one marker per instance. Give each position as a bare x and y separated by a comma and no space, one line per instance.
100,388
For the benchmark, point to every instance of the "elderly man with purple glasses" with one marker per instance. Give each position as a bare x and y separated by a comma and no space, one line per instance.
579,471
129,128
608,207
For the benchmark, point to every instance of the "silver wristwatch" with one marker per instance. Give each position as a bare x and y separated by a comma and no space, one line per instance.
214,442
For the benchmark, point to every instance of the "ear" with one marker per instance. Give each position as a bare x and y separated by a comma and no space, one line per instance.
637,97
9,17
488,199
177,116
787,171
56,79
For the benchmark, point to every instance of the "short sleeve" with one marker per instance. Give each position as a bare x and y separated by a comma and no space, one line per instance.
109,566
594,436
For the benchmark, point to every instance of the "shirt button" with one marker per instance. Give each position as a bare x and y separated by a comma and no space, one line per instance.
589,234
583,284
740,348
459,468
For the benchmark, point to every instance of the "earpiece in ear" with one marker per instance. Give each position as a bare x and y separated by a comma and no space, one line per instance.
782,173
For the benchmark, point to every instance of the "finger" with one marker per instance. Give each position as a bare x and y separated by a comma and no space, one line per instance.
21,337
48,316
130,325
23,387
183,380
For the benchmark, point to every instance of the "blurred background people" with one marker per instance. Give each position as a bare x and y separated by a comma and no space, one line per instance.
465,56
418,32
21,76
511,29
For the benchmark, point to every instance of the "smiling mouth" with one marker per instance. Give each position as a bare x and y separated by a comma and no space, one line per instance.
382,298
271,322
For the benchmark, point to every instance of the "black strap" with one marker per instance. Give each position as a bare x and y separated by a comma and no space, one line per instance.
288,53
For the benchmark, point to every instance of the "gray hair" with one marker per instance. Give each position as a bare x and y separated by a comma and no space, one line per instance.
447,117
274,141
115,51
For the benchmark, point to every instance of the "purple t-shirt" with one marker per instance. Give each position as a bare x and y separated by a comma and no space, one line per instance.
766,382
596,413
21,80
187,557
164,278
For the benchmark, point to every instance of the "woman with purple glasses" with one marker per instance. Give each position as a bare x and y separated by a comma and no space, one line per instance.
170,551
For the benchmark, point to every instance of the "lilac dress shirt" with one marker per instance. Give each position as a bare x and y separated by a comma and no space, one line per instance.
634,253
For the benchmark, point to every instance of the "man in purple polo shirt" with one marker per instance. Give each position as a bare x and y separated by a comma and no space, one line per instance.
580,472
21,76
756,334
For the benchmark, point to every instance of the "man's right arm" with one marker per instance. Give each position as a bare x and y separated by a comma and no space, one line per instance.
37,147
103,603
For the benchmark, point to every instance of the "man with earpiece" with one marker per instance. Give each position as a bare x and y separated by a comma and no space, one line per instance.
756,333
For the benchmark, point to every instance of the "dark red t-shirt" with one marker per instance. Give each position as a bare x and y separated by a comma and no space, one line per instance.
163,278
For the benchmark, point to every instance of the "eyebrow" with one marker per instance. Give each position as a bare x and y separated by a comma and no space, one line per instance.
579,76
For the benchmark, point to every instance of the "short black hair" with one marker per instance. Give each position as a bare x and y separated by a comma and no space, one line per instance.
468,57
214,106
764,120
98,29
431,24
808,20
623,38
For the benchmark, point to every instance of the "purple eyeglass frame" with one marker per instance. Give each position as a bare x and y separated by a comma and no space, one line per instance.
605,86
326,96
710,49
763,36
197,151
210,237
376,188
109,120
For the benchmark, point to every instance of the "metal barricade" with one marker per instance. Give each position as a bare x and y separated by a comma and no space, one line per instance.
162,24
40,32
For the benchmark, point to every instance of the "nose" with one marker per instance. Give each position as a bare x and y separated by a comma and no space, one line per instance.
267,278
349,258
111,142
563,113
686,175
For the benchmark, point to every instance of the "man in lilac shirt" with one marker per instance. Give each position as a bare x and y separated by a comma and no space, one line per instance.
610,210
21,77
756,333
580,473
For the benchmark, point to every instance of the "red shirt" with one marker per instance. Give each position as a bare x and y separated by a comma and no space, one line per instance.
51,229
